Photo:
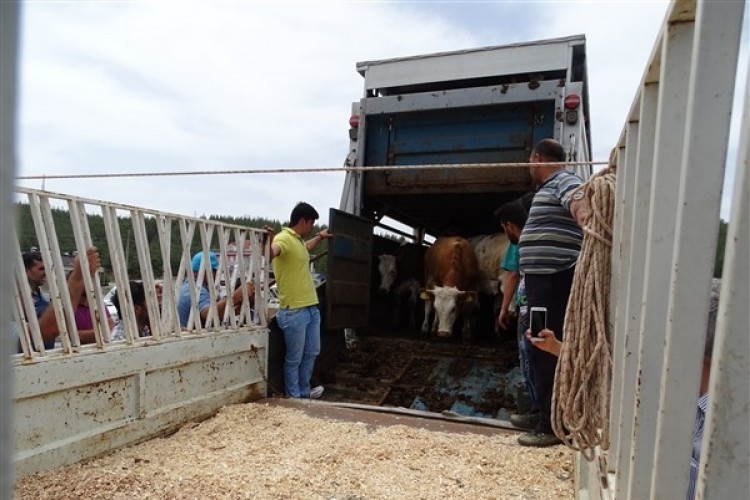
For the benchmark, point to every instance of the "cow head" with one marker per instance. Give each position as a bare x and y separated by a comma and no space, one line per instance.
449,302
387,270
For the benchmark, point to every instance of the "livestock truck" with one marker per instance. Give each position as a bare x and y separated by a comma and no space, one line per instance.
73,403
437,143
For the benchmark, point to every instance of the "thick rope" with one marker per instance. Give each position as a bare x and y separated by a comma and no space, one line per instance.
345,168
580,403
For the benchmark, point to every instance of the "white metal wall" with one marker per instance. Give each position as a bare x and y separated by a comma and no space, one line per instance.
9,22
671,163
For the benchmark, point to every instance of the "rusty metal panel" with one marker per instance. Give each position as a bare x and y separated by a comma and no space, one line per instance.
174,385
129,393
77,411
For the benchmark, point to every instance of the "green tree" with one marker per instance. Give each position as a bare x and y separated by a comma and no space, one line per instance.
63,229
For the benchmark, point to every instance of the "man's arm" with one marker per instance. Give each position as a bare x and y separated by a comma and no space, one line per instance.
509,289
275,249
579,207
88,336
546,341
322,235
235,299
76,287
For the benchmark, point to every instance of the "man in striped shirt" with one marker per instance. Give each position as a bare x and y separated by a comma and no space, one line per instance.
549,247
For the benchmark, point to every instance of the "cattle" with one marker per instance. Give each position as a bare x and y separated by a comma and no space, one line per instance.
451,273
490,250
402,273
387,270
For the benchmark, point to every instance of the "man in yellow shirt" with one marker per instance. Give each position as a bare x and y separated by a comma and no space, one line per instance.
298,316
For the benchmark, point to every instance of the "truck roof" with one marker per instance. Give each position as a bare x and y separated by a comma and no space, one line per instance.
550,58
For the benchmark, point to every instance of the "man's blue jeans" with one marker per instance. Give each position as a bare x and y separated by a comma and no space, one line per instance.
301,329
524,354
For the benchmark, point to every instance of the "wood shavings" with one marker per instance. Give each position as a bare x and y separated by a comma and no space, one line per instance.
270,452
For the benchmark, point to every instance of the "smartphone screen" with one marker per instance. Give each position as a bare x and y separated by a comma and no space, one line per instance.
537,320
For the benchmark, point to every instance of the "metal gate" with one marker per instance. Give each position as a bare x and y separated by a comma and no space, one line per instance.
671,160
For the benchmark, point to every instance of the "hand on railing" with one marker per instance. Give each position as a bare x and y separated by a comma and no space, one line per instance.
95,263
237,295
269,234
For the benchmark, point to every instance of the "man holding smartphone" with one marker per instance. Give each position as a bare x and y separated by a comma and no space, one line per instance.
549,248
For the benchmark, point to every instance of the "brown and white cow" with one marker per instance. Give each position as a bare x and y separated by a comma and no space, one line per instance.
451,273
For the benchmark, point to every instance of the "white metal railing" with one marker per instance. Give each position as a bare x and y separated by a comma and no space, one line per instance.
154,239
671,161
9,31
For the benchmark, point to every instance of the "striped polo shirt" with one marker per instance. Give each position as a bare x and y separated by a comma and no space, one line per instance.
551,239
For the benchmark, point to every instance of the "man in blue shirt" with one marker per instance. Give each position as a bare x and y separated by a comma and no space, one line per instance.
512,217
37,277
204,296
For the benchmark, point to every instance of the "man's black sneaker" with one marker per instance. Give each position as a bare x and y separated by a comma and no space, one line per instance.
525,420
539,439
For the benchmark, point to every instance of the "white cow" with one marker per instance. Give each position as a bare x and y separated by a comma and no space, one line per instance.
490,250
403,274
387,270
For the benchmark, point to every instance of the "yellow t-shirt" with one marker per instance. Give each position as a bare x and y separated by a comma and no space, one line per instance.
292,270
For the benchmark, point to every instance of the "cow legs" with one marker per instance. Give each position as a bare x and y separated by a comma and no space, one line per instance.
397,312
411,291
413,311
426,321
469,323
466,329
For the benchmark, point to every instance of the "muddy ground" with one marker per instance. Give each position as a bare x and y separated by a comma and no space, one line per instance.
411,370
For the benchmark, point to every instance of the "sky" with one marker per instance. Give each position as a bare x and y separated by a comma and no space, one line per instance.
155,86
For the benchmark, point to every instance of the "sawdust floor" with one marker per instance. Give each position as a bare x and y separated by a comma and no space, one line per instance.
282,449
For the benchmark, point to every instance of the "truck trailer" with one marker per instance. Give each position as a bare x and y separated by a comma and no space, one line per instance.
76,402
436,144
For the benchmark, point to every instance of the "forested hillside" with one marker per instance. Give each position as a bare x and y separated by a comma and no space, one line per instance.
28,238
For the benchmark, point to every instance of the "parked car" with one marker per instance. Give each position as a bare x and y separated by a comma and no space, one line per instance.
109,305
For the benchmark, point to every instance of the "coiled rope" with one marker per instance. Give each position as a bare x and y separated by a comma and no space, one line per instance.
580,403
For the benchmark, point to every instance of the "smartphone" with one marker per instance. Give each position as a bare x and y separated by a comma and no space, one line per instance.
537,320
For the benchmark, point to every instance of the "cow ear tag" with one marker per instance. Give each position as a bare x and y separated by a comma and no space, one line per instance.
424,295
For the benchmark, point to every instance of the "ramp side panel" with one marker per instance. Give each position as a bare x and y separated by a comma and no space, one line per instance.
80,407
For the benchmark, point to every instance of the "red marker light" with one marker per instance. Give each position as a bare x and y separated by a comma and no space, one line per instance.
354,121
572,101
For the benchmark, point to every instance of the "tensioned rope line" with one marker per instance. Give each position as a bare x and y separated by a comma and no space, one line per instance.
373,168
580,403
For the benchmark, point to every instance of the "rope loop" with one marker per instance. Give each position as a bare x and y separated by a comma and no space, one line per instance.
580,403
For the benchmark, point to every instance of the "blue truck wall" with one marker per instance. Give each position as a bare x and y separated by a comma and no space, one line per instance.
487,134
